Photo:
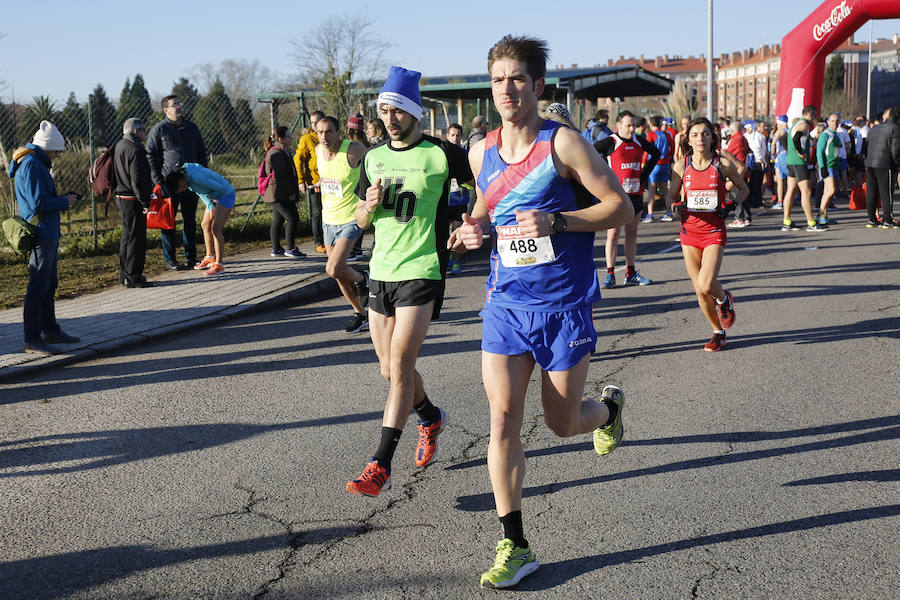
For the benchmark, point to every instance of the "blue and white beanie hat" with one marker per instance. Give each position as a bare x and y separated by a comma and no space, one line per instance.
401,89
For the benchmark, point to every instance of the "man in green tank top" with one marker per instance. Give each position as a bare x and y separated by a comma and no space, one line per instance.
338,162
798,161
828,159
403,190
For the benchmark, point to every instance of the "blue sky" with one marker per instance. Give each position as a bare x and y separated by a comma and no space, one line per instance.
46,49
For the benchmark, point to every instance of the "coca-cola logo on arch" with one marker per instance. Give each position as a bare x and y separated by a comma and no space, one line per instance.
838,14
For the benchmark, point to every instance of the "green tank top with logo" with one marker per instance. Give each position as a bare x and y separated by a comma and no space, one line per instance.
794,157
411,220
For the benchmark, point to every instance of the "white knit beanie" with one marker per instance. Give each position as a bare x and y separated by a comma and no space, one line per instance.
48,137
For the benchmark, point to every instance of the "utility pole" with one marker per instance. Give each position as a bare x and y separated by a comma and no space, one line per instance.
712,89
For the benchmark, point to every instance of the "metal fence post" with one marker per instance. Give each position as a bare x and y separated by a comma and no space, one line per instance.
90,116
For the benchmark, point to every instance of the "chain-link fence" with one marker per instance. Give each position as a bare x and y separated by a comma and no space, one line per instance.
233,131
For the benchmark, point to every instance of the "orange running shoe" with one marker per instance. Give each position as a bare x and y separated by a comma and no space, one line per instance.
373,481
426,449
215,269
726,311
206,263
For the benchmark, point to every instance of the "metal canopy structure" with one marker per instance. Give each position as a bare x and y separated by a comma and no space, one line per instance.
620,81
592,82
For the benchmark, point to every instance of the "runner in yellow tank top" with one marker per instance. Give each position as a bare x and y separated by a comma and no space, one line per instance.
338,164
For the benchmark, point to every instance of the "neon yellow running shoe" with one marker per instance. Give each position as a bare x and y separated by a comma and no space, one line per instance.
606,439
510,566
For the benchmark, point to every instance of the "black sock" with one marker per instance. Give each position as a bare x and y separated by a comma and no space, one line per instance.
427,411
630,270
385,453
613,409
512,528
611,270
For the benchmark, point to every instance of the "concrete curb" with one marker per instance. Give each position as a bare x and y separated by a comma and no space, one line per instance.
307,292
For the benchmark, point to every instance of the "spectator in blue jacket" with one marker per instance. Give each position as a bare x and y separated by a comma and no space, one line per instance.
37,197
218,195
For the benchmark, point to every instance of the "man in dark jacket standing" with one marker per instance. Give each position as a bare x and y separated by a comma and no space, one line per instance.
882,159
36,196
171,143
132,192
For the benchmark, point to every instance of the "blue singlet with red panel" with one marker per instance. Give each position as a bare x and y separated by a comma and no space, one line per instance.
548,274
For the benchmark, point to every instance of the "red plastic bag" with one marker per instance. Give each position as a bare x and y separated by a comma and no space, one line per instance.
858,198
160,214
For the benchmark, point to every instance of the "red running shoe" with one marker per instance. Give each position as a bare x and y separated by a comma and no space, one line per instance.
716,343
726,311
426,449
373,481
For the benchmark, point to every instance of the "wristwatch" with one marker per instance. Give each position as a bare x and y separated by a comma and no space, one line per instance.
558,223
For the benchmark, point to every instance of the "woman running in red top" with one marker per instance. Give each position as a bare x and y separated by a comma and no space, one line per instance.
703,208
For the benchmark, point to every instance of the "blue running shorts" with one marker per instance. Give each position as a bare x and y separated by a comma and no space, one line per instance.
226,202
781,165
660,174
557,340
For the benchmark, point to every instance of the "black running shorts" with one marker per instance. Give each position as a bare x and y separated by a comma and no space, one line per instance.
798,172
637,201
386,296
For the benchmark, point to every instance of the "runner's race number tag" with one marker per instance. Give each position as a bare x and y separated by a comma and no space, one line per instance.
702,200
516,250
631,185
331,188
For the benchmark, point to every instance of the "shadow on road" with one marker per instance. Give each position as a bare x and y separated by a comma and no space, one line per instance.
869,329
485,501
61,575
551,575
885,475
119,446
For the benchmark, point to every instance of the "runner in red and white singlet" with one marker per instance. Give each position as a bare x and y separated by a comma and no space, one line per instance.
702,209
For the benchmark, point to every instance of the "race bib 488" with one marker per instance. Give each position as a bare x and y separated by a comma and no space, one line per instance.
516,250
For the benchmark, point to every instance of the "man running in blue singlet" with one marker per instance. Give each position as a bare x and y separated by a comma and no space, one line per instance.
529,175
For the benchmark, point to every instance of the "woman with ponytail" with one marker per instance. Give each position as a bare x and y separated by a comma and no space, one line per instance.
282,193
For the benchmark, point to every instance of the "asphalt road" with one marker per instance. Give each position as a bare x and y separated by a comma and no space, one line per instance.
213,465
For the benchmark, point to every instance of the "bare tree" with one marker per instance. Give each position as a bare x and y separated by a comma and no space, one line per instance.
341,56
242,78
2,81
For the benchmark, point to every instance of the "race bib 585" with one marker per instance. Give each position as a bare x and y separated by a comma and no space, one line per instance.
702,200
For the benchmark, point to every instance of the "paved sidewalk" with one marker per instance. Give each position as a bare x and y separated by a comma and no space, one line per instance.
117,317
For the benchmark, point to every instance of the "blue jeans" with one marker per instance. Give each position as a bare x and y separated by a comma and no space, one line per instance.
188,201
40,309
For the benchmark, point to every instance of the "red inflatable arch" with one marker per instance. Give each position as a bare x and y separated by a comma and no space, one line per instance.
804,49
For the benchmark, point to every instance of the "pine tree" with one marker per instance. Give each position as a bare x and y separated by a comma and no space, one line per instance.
125,104
104,131
834,74
188,95
249,135
73,120
215,117
140,98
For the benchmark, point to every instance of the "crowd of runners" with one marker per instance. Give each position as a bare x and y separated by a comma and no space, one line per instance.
537,189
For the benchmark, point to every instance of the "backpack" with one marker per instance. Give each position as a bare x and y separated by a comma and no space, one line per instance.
102,174
21,234
263,180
